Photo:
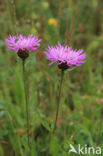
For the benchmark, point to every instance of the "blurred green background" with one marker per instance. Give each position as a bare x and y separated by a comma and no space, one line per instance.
78,23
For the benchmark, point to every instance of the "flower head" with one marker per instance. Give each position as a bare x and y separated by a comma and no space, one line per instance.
52,21
22,44
65,56
101,100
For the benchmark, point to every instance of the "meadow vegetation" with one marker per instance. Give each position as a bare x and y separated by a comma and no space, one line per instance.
77,23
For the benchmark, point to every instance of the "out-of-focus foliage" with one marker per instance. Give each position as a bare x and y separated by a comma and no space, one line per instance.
78,23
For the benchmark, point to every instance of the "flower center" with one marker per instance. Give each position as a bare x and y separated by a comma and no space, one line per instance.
23,54
63,66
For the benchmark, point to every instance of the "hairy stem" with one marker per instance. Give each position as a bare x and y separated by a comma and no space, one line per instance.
58,100
26,100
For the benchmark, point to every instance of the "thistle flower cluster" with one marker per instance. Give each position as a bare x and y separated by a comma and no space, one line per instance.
22,45
63,55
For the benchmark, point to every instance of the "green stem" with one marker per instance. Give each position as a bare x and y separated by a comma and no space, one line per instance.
58,100
26,100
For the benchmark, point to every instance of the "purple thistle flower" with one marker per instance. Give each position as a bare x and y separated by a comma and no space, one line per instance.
65,56
22,44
